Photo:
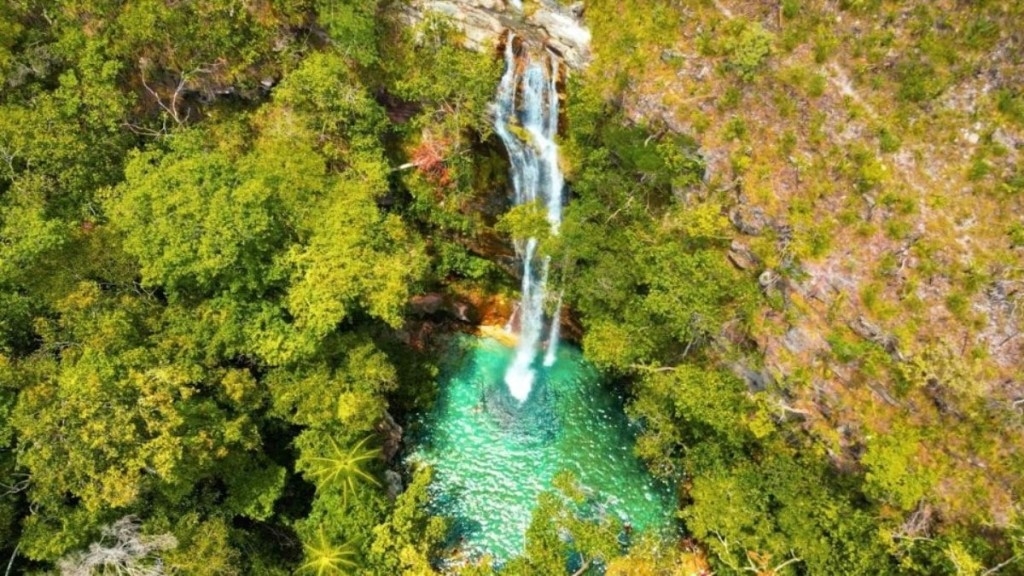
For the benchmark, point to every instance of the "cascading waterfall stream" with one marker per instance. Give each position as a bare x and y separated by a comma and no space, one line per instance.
536,177
508,421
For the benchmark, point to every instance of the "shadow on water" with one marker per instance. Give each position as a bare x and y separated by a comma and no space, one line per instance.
492,455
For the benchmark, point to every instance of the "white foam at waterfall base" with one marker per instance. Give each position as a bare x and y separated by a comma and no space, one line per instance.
520,376
536,177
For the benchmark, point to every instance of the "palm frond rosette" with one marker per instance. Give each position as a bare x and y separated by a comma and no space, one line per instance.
324,558
342,467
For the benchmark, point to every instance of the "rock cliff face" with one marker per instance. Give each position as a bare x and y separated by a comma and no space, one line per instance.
484,22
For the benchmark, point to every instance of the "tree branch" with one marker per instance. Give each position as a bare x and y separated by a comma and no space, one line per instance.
583,568
11,561
786,563
15,487
1001,565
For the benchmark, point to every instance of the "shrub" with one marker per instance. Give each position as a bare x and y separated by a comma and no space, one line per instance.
887,141
748,46
1011,104
1016,233
919,81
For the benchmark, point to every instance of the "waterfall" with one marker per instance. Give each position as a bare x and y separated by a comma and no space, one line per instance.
551,354
536,177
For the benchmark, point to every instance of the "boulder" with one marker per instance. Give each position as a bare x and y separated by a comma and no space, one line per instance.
426,304
768,279
436,304
741,256
749,220
393,484
391,433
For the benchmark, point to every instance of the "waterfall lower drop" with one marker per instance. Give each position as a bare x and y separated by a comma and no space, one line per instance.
536,177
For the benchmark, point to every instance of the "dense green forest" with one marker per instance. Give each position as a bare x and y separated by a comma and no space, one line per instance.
794,243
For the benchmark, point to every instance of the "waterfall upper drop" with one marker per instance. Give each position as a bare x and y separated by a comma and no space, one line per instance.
528,99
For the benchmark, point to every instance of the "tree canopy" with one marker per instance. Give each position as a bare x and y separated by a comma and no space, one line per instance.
229,232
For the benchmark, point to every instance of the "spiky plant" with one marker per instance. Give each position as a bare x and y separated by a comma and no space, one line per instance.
343,467
324,558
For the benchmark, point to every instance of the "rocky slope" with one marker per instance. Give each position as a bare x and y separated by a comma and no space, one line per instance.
870,154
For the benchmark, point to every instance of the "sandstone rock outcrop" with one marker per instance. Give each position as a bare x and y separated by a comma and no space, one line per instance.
483,23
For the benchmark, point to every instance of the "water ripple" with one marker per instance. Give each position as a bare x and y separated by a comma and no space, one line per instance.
493,455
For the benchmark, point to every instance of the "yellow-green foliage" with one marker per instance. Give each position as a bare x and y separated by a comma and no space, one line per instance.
204,281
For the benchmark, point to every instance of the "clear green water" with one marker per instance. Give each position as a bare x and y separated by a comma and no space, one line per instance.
492,455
